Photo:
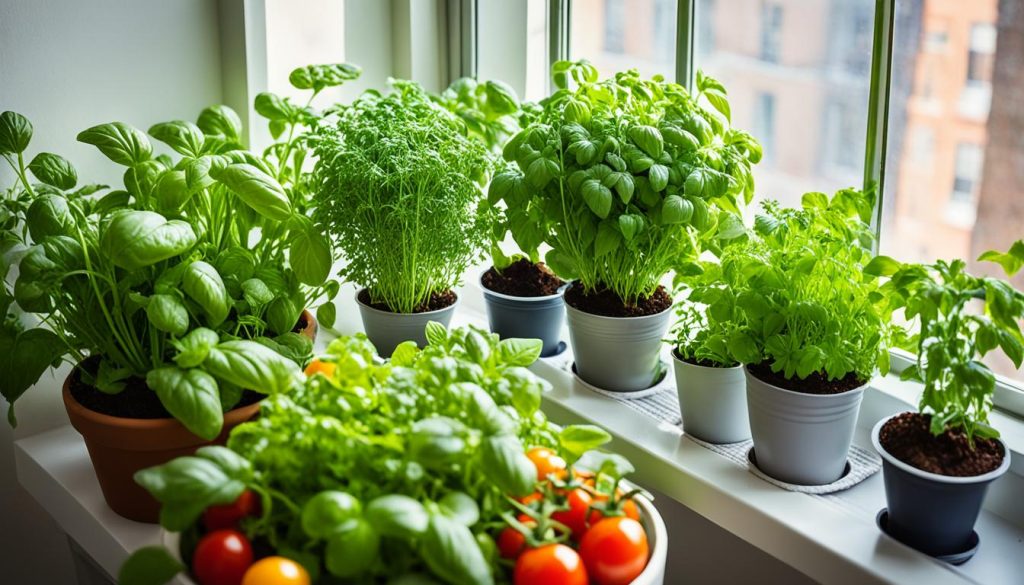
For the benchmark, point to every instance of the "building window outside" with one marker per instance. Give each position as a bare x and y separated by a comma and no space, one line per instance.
664,30
843,139
981,54
764,126
771,31
614,26
922,145
966,172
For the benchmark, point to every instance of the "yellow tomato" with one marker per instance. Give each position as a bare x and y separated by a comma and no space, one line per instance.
276,571
318,366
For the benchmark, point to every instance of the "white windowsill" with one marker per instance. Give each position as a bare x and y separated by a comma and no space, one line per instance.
832,539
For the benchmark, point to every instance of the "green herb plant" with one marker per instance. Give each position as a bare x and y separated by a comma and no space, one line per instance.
961,319
398,188
191,276
804,303
621,177
377,471
708,318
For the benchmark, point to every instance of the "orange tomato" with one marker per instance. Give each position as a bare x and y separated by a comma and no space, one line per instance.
547,462
276,571
318,366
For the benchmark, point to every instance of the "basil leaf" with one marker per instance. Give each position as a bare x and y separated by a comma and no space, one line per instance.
191,396
578,439
597,197
397,516
273,107
649,139
167,313
256,189
121,143
194,347
327,313
460,507
49,215
54,170
136,239
283,314
310,257
318,77
171,191
352,552
15,133
519,352
203,284
233,464
256,293
248,364
675,209
221,121
150,565
187,486
436,441
328,513
452,553
23,359
508,467
184,137
141,179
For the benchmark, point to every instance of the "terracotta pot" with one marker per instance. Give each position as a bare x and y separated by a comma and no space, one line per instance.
312,326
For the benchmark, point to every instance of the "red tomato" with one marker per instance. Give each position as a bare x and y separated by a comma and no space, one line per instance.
511,542
229,515
222,558
575,517
276,571
614,551
551,564
548,462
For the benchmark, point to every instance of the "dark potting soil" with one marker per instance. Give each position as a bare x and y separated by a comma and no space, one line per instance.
698,361
523,278
908,438
437,301
816,383
608,304
302,324
135,401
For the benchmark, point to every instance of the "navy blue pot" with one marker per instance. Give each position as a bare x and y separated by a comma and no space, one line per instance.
932,513
527,317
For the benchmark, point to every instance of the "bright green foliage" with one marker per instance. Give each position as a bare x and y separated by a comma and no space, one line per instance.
962,318
399,191
621,176
379,471
710,322
489,109
192,254
798,291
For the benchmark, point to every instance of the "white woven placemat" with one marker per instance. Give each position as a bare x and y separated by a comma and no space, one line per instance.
658,402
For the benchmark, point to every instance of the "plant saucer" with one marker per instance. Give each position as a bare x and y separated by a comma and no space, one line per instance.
654,388
957,558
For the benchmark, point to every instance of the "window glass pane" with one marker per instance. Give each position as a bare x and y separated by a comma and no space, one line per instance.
624,34
955,185
298,36
797,73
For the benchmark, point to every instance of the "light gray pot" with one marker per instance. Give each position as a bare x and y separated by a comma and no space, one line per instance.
801,438
526,317
386,329
713,402
620,354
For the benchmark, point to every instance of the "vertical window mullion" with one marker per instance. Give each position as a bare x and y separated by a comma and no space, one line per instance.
878,107
686,42
559,29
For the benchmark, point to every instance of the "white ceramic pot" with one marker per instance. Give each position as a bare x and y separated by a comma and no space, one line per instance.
713,402
654,573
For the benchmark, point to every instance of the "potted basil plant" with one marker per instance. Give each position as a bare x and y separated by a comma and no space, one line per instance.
939,461
179,299
522,296
619,177
709,380
398,188
813,334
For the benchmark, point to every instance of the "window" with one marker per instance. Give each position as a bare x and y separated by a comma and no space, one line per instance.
981,53
922,145
764,126
935,40
624,34
771,31
614,25
966,172
809,108
294,39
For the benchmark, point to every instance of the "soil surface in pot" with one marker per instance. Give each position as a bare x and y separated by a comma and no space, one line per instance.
816,383
698,361
523,278
135,401
908,438
608,304
436,302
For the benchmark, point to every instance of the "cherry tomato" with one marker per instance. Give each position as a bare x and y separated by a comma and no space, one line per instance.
318,366
228,516
629,510
551,564
575,517
614,551
534,497
548,462
276,571
222,558
511,542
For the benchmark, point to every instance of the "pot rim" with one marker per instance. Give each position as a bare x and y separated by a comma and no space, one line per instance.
120,421
364,306
655,529
569,307
489,292
675,357
822,397
936,477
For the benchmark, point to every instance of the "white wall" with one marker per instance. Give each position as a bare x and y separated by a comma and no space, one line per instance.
67,65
